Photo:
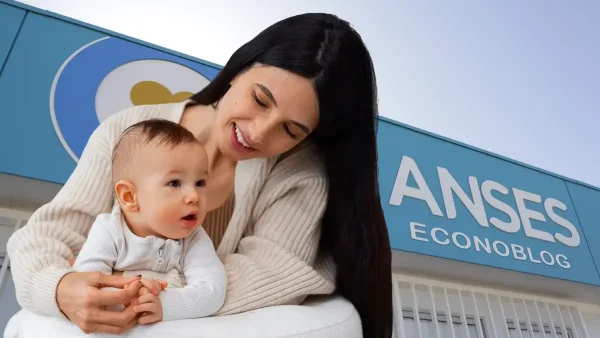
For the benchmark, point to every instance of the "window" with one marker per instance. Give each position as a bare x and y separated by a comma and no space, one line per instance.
429,328
528,328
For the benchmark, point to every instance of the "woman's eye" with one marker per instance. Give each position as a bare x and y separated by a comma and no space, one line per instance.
201,183
288,131
258,101
174,183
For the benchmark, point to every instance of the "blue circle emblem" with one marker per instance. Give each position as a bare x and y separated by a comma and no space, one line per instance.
73,94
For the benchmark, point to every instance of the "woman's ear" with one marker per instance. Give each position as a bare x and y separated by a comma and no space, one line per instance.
126,195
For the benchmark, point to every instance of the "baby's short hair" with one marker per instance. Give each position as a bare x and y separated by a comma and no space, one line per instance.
167,133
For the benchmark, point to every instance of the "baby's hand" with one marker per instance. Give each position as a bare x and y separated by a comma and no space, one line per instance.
149,306
153,285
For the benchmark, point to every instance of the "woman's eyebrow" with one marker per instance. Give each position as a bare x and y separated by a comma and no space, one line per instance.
272,98
268,93
301,126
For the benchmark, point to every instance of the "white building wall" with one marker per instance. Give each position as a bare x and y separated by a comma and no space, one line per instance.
10,220
8,301
498,312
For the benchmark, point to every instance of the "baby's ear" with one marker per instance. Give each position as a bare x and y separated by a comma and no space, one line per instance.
126,195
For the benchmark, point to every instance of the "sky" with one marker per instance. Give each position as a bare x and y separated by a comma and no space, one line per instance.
518,78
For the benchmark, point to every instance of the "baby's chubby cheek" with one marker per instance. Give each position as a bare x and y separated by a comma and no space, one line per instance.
164,218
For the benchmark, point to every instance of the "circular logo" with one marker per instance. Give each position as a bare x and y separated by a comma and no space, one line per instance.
111,74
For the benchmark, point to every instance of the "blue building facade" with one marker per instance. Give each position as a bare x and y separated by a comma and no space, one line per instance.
60,78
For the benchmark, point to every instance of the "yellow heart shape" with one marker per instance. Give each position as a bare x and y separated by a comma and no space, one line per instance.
151,92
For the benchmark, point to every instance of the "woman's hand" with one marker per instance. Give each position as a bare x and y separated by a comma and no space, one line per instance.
80,298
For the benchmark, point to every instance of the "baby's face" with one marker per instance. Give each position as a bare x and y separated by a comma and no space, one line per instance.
171,189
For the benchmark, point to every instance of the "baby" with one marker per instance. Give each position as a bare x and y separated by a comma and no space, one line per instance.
159,171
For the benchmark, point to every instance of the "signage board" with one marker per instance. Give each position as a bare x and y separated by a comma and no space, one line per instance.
447,200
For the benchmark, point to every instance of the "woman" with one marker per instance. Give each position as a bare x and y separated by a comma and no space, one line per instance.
289,126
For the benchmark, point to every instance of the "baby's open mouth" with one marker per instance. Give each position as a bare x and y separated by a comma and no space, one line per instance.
189,217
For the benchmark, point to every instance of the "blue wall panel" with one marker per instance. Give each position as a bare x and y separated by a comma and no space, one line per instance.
519,219
34,149
587,206
10,21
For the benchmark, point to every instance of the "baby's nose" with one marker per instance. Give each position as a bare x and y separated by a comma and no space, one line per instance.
191,197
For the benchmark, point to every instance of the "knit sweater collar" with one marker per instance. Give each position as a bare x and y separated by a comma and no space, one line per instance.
250,176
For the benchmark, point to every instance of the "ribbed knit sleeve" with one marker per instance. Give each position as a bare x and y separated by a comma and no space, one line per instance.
39,251
56,231
274,262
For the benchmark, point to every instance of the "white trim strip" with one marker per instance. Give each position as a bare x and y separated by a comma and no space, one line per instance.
562,320
477,316
552,325
527,316
487,299
503,315
464,313
449,313
416,311
434,314
541,322
583,322
399,315
573,322
517,322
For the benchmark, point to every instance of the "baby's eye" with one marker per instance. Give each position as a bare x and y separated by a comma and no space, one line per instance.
201,183
175,183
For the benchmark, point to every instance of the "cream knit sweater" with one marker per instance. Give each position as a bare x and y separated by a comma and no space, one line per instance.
268,240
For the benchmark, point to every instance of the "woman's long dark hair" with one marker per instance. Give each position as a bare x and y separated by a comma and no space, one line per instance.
327,50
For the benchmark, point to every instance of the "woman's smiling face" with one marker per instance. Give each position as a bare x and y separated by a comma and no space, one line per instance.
266,112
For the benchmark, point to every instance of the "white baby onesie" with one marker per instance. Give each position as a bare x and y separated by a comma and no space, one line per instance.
196,277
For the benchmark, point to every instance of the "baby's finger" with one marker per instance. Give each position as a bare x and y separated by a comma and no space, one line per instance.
148,318
144,291
161,284
147,307
152,285
147,298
